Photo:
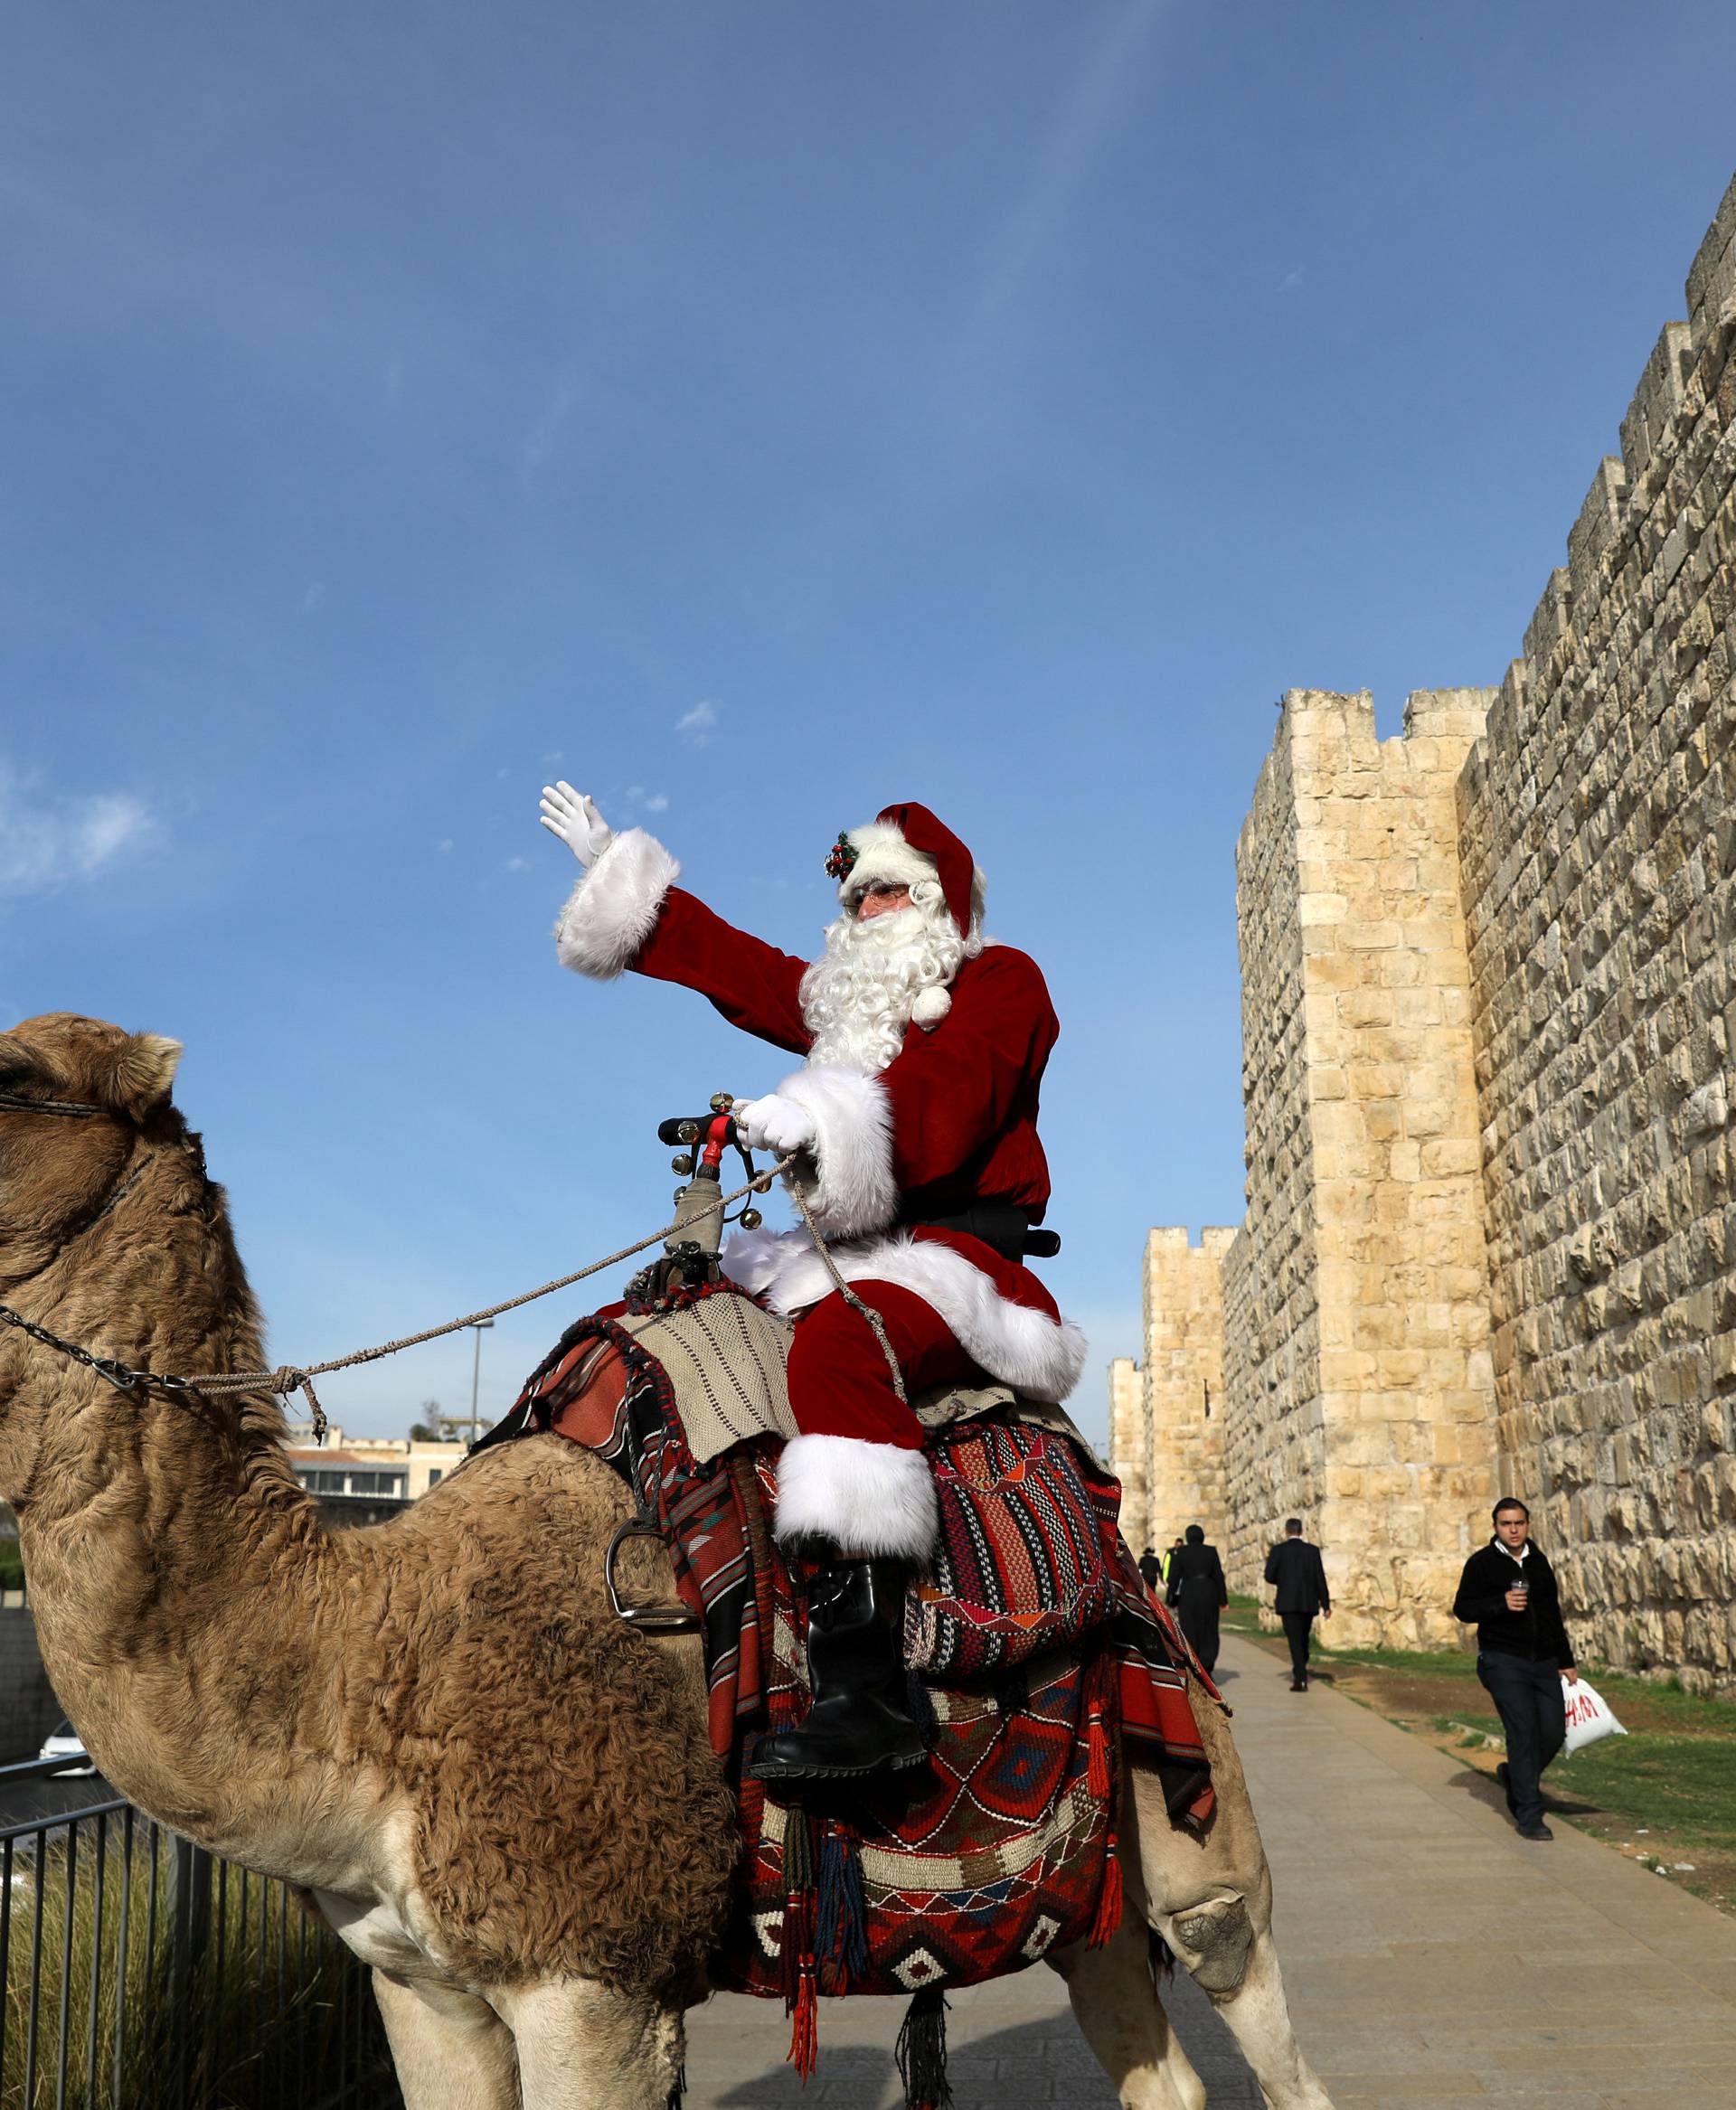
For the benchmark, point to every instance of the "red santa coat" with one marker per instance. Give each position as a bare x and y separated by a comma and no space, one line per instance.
952,1119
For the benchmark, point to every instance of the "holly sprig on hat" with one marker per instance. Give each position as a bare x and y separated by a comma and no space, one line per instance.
841,858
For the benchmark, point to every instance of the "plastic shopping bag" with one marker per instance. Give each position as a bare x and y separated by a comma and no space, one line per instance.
1587,1717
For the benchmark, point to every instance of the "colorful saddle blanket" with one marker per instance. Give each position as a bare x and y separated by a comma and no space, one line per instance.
1032,1642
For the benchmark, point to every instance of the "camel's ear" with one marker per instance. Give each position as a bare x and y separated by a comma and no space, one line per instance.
145,1072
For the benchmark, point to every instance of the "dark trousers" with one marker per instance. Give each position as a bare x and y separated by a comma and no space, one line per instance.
1296,1632
1528,1697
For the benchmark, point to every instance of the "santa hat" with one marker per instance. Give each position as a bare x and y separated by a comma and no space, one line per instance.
902,845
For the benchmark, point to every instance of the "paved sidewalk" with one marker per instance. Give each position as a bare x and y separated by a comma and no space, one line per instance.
1432,1957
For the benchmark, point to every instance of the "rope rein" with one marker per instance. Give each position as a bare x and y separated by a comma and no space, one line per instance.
297,1378
291,1377
842,1286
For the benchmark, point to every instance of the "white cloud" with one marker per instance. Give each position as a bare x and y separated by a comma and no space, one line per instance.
539,443
444,846
658,802
518,864
1291,279
698,724
1093,109
51,840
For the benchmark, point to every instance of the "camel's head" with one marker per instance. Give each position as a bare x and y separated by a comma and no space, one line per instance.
77,1096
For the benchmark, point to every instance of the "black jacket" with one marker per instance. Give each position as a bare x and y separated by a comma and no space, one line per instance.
1296,1567
1536,1632
1200,1567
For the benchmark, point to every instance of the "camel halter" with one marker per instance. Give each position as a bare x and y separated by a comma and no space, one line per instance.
72,1109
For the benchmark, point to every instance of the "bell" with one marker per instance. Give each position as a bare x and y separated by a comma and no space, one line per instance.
751,1219
682,1164
721,1102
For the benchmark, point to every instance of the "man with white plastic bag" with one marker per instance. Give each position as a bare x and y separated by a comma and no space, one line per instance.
1523,1657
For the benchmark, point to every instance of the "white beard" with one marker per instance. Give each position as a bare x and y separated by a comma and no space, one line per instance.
857,997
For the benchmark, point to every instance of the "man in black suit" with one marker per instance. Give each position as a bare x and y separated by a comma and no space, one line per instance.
1296,1567
1197,1594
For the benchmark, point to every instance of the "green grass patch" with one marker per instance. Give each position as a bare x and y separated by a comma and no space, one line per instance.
1682,1786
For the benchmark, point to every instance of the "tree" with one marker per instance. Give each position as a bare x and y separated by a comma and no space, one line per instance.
428,1430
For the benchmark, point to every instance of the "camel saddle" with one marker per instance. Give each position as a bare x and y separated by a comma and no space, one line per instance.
1043,1663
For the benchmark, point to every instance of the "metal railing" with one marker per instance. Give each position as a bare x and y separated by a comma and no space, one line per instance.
139,1972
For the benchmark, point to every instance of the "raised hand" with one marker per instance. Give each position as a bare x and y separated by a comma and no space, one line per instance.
571,816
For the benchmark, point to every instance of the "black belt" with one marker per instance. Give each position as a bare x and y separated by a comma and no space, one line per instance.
1002,1225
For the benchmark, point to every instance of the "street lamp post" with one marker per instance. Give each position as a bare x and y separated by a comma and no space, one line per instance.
475,1376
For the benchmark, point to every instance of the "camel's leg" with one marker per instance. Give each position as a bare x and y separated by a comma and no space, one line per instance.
451,2050
582,2046
1125,2024
1212,1902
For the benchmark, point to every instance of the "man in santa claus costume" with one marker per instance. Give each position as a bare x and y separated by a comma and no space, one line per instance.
915,1109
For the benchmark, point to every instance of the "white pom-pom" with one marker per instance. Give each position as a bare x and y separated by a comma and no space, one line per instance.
931,1007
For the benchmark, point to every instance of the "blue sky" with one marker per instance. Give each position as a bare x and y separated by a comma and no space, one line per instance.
754,413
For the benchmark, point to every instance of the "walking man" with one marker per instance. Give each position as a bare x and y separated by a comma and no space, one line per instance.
1198,1593
1300,1575
1523,1653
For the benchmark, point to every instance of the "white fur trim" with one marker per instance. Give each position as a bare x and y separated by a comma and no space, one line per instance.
856,1190
1024,1347
866,1498
883,858
931,1007
613,910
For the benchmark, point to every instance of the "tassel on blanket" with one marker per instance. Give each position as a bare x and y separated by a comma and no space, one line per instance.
805,2033
921,2052
841,1929
1107,1919
801,1992
1098,1779
677,2093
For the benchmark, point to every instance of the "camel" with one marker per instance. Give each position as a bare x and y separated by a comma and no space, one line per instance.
500,1797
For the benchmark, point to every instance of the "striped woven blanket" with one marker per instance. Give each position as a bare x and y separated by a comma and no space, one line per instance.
1045,1664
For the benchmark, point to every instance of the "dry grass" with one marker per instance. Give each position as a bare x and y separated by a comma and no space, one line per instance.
120,1993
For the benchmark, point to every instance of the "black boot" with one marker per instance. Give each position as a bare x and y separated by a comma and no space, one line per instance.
858,1722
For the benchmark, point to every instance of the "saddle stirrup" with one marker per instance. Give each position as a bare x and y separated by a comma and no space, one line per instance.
859,1721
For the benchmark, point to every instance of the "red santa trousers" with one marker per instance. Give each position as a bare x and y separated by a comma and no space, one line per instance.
839,1381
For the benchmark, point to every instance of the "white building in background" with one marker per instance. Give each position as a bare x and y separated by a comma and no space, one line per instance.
378,1469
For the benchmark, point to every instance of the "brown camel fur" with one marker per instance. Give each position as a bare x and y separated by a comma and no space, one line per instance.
502,1799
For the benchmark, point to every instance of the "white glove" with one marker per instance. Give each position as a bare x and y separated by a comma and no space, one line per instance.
571,815
774,1124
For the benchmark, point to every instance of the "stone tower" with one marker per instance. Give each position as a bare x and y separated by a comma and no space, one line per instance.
1360,1385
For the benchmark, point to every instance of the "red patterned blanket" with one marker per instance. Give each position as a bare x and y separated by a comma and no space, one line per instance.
1044,1661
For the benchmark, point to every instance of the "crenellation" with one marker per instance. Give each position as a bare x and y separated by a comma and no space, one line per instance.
1712,277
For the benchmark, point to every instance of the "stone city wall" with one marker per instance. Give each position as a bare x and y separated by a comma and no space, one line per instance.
1488,992
1597,825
